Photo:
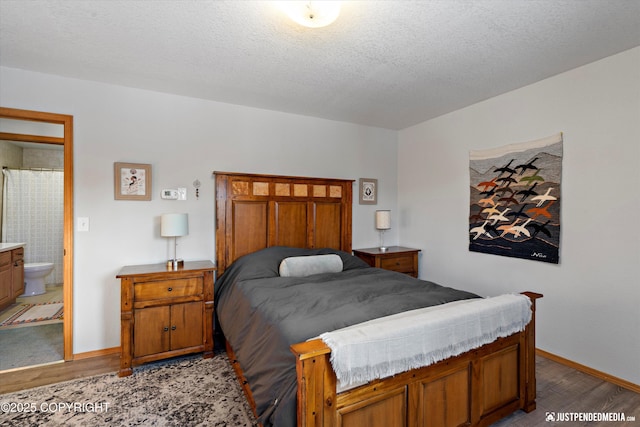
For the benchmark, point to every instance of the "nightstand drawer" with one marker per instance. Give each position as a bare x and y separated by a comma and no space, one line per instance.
401,264
394,258
168,289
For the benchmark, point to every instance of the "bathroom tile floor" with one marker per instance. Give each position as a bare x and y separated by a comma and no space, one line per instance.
31,343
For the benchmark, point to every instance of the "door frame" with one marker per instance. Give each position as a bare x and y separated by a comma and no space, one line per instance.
67,141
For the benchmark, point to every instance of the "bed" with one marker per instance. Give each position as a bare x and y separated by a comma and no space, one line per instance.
272,339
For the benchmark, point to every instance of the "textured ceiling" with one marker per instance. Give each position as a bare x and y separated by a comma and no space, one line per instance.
389,64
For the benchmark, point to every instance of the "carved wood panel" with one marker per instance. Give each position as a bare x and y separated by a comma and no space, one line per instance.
248,227
500,385
257,211
326,217
446,401
290,224
388,409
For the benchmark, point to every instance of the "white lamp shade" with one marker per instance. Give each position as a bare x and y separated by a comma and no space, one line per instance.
383,220
172,225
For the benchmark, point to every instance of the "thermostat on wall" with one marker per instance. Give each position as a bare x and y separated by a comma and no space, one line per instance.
169,194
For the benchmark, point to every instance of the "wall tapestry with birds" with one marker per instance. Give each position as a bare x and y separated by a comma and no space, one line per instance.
515,200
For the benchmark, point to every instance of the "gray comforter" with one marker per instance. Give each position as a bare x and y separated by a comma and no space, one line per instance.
261,314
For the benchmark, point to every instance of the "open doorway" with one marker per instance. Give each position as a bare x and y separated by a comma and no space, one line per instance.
51,134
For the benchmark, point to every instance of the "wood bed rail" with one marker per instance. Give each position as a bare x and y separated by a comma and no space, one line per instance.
530,355
475,388
316,383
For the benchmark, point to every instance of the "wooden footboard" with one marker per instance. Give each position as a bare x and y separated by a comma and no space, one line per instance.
475,388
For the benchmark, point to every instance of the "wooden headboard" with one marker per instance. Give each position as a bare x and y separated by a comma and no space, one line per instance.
254,212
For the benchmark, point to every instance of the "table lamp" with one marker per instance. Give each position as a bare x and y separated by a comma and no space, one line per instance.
174,225
383,223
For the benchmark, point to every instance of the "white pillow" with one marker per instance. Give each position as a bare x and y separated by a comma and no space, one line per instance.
301,266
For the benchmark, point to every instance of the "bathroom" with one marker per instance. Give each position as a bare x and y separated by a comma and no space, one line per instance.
31,329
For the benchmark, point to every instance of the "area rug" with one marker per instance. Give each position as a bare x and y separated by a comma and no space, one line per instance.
187,391
30,313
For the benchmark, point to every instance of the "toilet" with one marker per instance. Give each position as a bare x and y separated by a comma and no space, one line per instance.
34,274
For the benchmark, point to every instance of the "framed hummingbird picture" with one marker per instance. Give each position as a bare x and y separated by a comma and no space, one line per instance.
132,181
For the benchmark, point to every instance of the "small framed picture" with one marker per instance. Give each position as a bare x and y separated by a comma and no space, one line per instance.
132,181
368,191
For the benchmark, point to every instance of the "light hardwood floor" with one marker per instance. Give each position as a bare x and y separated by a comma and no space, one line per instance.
561,389
22,379
564,390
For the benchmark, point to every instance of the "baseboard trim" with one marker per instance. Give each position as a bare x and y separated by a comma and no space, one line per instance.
96,353
587,370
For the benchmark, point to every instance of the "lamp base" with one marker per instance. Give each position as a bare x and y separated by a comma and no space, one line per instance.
174,264
382,247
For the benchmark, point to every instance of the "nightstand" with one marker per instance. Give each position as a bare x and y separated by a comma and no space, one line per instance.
395,258
164,312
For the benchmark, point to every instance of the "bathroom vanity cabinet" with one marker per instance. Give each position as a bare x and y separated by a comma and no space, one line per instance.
17,273
6,284
165,312
11,274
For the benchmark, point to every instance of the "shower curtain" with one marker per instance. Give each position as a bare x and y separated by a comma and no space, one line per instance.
33,213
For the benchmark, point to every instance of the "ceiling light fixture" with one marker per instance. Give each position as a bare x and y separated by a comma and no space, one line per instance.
312,14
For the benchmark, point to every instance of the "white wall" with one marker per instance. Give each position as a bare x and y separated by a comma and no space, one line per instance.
184,139
590,312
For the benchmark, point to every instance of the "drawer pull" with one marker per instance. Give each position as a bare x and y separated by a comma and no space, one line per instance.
170,289
173,328
166,329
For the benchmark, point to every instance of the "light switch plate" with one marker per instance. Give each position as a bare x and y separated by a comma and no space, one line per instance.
83,223
182,194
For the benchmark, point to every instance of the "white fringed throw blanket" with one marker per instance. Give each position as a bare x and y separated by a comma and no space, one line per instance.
384,347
